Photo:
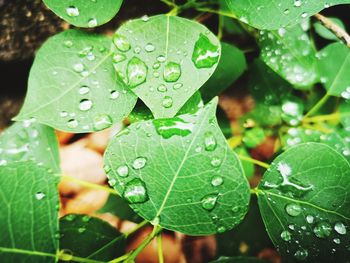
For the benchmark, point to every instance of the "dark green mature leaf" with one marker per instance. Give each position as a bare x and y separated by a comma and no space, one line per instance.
84,13
120,208
231,66
180,173
291,54
238,260
91,238
73,85
325,32
28,140
334,68
305,203
267,14
28,213
164,60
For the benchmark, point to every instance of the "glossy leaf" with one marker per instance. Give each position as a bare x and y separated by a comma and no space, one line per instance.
325,32
291,54
90,238
28,213
180,173
28,140
231,66
164,60
238,260
73,86
248,167
344,109
266,14
304,201
334,67
83,13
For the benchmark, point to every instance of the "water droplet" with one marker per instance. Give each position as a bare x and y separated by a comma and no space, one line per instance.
221,229
102,122
106,168
322,229
340,228
135,191
156,66
167,102
72,123
301,254
68,43
114,94
172,72
145,18
70,217
81,229
336,240
136,72
66,255
209,201
121,43
173,126
72,11
78,67
118,57
215,162
297,3
86,218
84,90
309,219
304,15
205,53
112,182
137,50
217,180
92,22
161,58
286,235
123,171
139,163
293,209
162,88
209,142
149,47
177,86
39,196
85,105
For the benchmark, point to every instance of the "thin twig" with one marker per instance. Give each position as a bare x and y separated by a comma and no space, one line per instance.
337,30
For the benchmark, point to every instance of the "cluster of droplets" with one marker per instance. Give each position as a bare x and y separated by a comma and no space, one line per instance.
292,112
73,12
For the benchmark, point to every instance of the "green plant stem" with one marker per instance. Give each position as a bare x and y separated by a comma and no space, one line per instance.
137,227
169,3
90,185
254,161
160,248
321,118
219,12
318,105
220,27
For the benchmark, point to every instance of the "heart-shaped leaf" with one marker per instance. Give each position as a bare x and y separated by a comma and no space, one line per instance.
164,60
84,13
304,200
73,86
180,173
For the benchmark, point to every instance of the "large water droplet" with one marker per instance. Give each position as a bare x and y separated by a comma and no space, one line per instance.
72,11
172,72
139,163
85,105
301,254
286,235
205,53
173,126
167,102
209,141
135,191
340,228
123,171
121,43
209,201
102,122
322,229
136,72
293,209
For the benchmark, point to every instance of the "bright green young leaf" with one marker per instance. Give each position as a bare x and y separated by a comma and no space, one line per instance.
238,260
28,213
325,32
90,238
344,110
73,86
248,167
164,60
334,68
267,14
180,173
253,137
305,204
84,13
231,66
291,54
30,141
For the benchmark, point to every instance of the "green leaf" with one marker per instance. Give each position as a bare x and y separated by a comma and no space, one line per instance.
231,66
325,32
248,166
266,14
91,238
344,110
253,137
334,68
291,54
238,260
180,173
305,203
28,140
165,59
73,86
28,213
120,208
83,13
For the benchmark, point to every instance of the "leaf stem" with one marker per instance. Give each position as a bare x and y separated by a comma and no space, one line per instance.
321,118
254,161
160,248
219,12
90,185
337,30
318,105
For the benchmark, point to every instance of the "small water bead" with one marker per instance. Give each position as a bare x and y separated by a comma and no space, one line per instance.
114,94
39,196
309,219
135,191
121,43
217,180
297,3
162,88
92,22
215,162
72,123
209,142
63,114
81,230
72,11
112,182
85,105
205,53
167,102
68,43
78,67
293,209
137,50
336,240
150,47
340,228
161,58
66,255
156,66
221,229
84,90
304,15
102,122
106,168
322,229
286,235
177,86
139,163
301,254
118,58
70,217
123,171
172,72
136,72
209,201
286,11
145,18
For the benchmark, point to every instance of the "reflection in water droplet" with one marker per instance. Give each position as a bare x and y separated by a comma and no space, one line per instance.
293,209
209,142
72,11
123,171
322,229
121,43
135,191
209,201
85,105
301,254
173,126
340,228
172,72
139,163
286,235
102,122
167,102
136,72
205,53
